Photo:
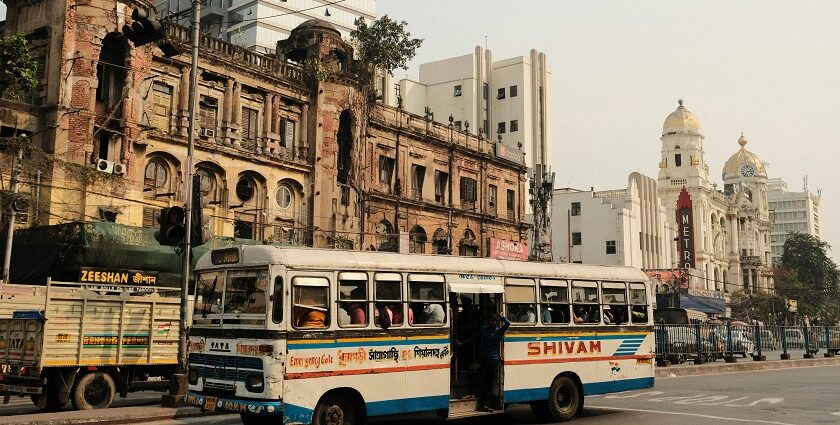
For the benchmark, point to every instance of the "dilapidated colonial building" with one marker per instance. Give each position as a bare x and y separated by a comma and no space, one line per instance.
283,156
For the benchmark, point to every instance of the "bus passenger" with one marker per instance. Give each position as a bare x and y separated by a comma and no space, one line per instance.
311,318
433,313
608,316
357,314
491,336
343,316
580,315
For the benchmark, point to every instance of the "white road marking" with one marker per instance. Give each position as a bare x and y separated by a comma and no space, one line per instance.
836,414
694,414
634,395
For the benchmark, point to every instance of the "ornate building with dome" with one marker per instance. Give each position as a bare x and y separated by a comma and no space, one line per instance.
727,236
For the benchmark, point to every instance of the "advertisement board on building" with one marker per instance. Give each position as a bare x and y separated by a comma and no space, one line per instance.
503,249
685,230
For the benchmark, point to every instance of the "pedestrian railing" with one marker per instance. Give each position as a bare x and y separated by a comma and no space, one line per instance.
701,343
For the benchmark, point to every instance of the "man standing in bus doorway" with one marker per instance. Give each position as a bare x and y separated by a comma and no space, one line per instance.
492,335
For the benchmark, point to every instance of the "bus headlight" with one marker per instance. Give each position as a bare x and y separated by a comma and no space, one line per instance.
192,376
254,383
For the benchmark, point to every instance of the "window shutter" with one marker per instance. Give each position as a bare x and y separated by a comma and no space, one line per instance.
149,217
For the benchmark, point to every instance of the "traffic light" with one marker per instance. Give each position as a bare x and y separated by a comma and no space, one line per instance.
145,29
200,221
171,226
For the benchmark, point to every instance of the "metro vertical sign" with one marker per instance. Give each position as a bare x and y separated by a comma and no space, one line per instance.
685,228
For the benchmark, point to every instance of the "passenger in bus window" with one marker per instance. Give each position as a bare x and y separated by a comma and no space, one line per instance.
580,315
639,314
608,316
522,313
310,307
383,316
433,313
343,316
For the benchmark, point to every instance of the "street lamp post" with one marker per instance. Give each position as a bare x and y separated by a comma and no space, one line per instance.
178,384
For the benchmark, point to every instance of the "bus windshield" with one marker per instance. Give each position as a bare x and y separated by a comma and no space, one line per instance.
235,297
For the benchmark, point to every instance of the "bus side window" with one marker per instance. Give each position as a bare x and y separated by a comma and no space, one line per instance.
352,299
388,298
277,308
520,301
426,302
585,302
554,302
310,297
614,302
638,304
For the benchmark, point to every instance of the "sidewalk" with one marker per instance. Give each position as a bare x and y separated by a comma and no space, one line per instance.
114,415
743,365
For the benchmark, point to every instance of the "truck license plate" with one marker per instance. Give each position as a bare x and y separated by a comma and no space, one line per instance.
210,403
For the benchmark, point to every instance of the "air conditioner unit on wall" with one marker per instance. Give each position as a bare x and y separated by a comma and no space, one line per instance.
105,166
207,132
119,169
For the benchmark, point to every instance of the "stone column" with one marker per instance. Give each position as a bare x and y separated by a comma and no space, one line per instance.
183,102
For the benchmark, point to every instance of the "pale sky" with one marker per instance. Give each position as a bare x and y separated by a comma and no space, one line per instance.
768,68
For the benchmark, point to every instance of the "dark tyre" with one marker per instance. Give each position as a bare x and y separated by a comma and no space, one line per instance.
259,420
93,391
335,410
51,402
541,411
564,399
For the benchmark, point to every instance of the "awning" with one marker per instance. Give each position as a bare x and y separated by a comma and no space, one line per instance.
475,288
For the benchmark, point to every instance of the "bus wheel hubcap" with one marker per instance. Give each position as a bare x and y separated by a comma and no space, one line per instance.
335,416
564,398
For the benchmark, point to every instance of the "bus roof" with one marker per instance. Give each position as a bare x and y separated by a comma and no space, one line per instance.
331,259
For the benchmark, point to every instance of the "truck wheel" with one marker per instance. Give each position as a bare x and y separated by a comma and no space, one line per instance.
52,402
93,391
564,399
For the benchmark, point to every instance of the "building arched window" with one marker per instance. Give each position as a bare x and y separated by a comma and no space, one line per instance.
385,238
207,184
156,175
440,242
417,240
284,197
246,188
469,245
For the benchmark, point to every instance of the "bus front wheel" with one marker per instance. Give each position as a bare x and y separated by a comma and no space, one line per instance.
564,399
334,410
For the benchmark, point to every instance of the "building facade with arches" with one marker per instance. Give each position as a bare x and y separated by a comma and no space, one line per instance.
280,157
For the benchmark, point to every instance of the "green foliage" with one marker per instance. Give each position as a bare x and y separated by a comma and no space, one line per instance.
314,72
17,68
384,45
808,275
768,308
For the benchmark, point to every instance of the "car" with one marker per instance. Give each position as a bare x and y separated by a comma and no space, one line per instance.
740,342
768,339
681,345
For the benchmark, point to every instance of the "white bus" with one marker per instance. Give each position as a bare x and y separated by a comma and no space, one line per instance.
298,334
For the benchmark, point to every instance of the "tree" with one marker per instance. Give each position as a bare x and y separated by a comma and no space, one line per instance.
809,276
384,45
17,68
768,308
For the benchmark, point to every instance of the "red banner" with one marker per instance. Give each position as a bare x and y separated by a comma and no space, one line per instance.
503,249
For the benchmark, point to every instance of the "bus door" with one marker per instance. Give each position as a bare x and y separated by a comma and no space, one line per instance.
469,303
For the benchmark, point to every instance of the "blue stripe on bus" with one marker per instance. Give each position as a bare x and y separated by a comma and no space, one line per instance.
593,388
296,414
514,338
343,344
415,404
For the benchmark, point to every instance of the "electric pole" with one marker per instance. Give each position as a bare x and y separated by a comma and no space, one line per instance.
17,166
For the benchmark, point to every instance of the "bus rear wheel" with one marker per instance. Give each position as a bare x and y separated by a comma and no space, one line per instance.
334,410
93,391
564,399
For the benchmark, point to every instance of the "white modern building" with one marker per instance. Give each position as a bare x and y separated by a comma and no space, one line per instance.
505,100
258,24
797,212
626,227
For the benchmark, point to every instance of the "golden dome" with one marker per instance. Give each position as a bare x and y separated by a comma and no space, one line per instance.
744,163
681,121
